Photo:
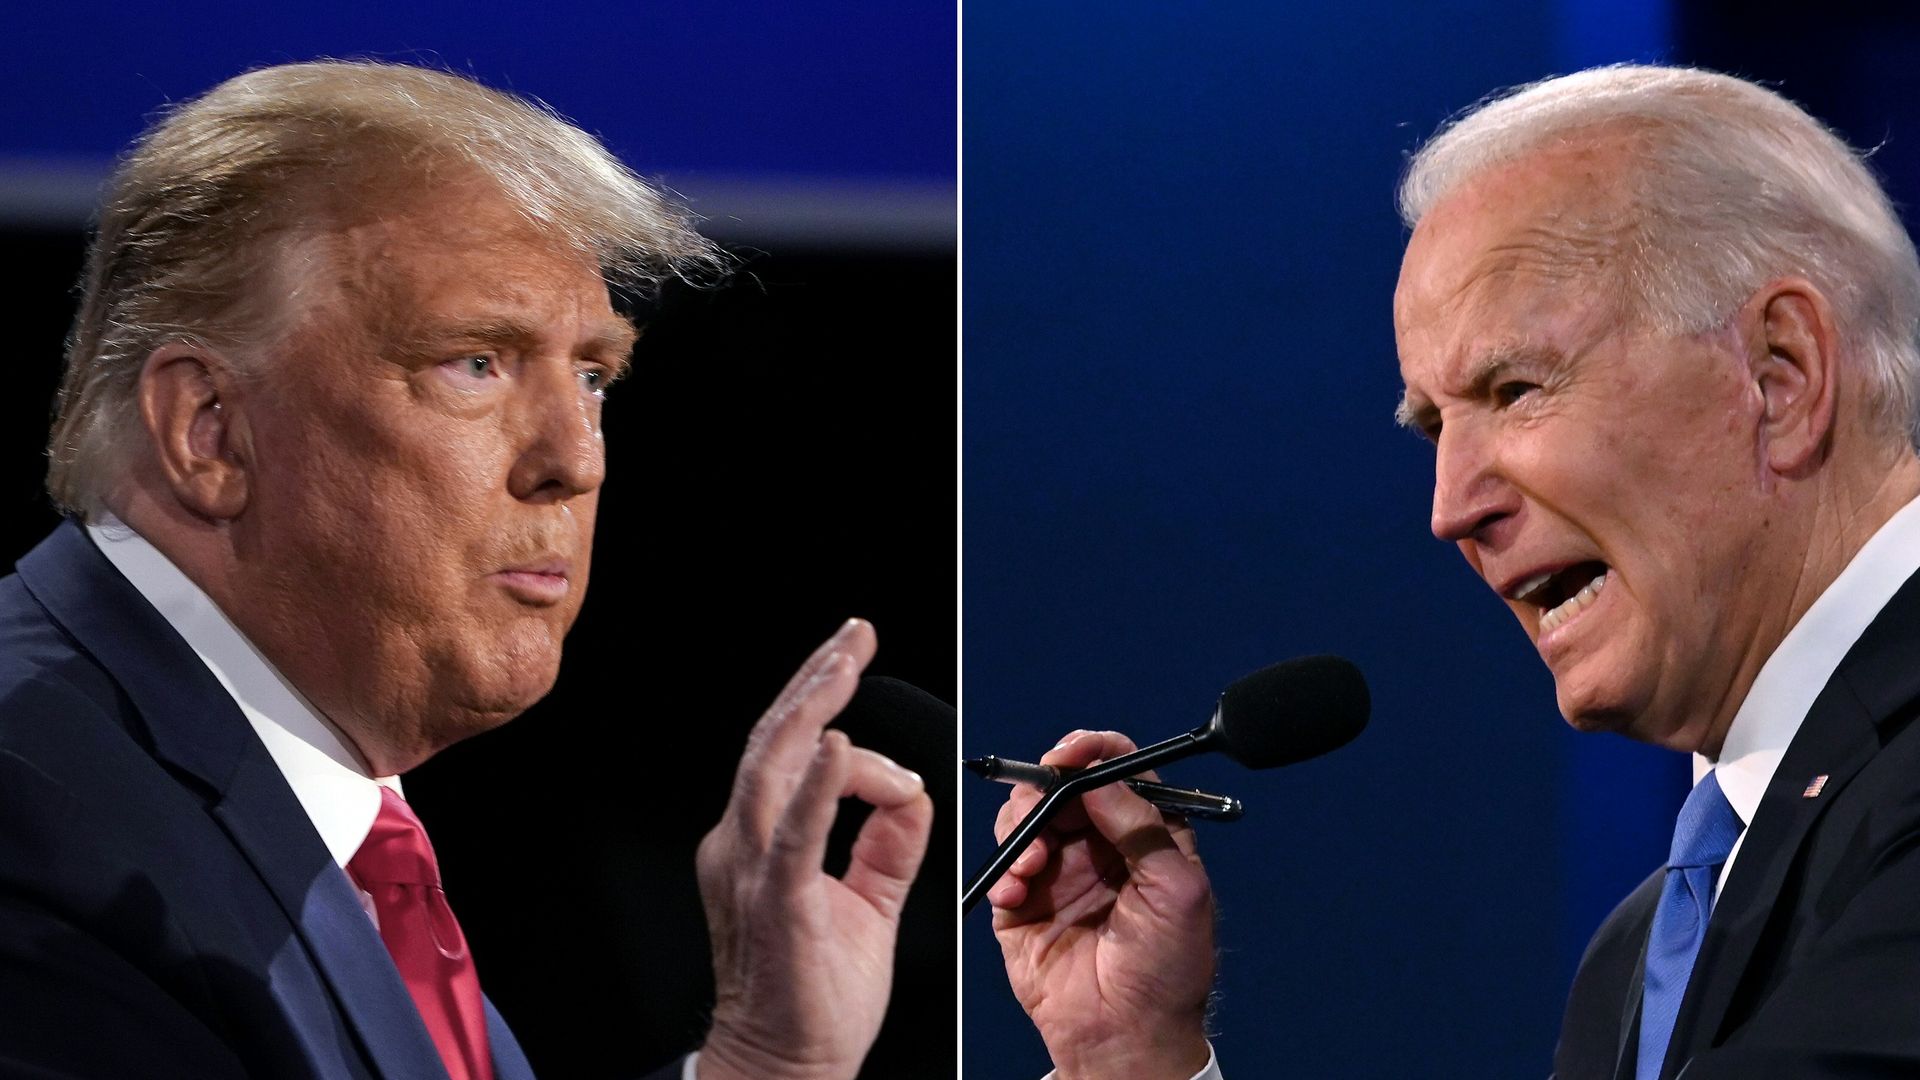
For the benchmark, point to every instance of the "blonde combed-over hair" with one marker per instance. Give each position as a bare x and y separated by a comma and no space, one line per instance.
199,207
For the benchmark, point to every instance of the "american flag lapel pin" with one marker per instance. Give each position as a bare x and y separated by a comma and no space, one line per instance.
1814,787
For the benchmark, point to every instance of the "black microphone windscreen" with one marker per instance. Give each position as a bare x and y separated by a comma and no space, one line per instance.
884,694
905,723
1291,711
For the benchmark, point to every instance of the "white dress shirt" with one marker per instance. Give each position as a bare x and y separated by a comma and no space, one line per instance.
1807,657
339,793
1211,1072
336,789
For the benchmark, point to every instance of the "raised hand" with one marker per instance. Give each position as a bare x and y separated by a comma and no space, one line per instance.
803,962
1106,924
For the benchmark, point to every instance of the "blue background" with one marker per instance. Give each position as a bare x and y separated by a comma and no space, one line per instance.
852,88
1180,248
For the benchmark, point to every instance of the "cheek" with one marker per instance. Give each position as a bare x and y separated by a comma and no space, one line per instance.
586,510
397,519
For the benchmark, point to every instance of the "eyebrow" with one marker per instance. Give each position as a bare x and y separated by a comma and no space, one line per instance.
614,339
1416,412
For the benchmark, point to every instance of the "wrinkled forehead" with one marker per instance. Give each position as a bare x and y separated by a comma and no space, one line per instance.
1537,240
1559,214
456,248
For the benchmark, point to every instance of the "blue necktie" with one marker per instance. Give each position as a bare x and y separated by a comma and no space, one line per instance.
1702,838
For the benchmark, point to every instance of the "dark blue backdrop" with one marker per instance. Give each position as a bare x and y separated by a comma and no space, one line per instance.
845,88
1179,464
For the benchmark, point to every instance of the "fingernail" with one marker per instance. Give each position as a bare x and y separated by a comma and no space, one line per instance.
1071,735
845,628
903,770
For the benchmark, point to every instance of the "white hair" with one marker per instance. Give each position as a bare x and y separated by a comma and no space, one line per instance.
202,205
1731,185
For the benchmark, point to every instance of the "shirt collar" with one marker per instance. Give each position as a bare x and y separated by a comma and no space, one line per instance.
1808,656
335,788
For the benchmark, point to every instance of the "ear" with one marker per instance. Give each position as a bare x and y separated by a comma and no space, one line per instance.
198,438
1793,366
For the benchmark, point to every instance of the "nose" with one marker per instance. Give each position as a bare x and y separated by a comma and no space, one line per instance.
563,453
1470,495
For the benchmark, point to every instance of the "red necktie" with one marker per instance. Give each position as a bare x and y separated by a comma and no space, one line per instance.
395,866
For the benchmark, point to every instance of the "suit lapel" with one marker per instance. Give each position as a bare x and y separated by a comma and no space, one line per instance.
193,727
1876,679
1625,1053
509,1061
260,813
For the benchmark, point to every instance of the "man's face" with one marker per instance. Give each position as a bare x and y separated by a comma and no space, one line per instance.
428,458
1601,477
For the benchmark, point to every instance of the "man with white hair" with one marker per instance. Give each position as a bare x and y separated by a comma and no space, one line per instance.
1660,326
330,445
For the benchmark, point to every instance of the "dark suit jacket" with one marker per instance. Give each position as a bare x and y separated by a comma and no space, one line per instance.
166,907
1811,964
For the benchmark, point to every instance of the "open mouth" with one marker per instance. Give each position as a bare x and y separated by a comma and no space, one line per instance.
1562,594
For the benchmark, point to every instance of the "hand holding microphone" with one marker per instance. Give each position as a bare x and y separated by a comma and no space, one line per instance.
1283,713
1105,923
1105,919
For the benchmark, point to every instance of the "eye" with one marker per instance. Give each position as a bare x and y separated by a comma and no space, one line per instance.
473,367
596,380
1507,393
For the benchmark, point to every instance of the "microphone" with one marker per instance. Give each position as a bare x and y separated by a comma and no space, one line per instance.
1282,714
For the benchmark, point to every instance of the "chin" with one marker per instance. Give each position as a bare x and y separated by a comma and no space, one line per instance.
1587,721
496,684
1630,717
514,687
1589,708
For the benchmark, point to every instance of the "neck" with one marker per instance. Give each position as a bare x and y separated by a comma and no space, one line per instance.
203,550
1842,516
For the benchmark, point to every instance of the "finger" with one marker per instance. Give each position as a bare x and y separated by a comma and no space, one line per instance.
1085,748
1104,746
1139,832
1007,893
785,725
1077,749
1181,829
846,635
1020,802
799,841
782,743
888,851
1021,799
1064,740
879,780
1034,859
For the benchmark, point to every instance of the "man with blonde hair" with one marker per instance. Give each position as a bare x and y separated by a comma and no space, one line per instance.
1660,327
330,444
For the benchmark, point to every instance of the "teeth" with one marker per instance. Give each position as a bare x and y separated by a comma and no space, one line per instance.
1574,604
1528,586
